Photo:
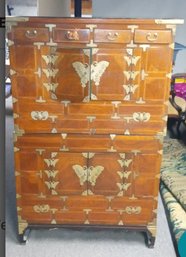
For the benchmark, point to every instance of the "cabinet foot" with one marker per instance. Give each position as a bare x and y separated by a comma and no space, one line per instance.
23,238
150,240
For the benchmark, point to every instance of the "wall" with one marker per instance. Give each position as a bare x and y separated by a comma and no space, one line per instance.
148,9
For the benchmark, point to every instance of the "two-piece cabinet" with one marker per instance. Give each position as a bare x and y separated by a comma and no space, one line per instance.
90,101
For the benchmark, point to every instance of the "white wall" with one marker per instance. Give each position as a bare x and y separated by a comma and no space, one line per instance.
147,9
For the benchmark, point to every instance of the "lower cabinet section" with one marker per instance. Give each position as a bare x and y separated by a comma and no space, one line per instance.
115,183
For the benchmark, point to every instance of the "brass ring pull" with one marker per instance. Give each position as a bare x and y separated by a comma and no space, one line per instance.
152,36
72,35
31,33
111,36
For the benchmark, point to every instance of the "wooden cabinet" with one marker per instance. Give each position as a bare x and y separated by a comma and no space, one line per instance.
90,103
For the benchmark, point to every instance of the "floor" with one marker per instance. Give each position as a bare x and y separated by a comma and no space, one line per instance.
81,243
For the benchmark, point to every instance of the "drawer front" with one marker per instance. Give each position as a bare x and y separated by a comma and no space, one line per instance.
94,117
153,36
112,36
30,35
87,143
71,35
87,210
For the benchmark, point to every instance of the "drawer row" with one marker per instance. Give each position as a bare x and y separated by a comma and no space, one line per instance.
87,210
90,118
77,34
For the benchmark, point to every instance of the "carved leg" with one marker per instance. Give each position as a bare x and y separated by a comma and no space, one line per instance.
150,240
23,231
151,234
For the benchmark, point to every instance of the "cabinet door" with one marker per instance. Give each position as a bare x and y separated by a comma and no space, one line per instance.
50,173
66,73
115,74
108,174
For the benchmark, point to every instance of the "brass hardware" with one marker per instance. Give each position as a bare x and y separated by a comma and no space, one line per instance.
10,42
120,223
88,72
123,187
22,226
172,45
18,196
87,98
50,26
64,135
37,115
16,149
115,116
38,44
51,162
160,152
131,44
38,72
64,149
54,130
50,58
132,27
51,43
66,102
41,195
91,26
14,100
17,173
130,88
140,101
133,209
53,221
132,60
131,75
111,149
87,192
18,132
40,150
89,174
51,173
152,36
124,174
143,74
133,197
72,35
128,119
127,132
169,75
31,33
12,72
83,71
116,103
141,116
129,51
40,100
125,162
91,44
51,184
135,152
50,72
112,136
91,118
144,47
112,36
19,208
41,208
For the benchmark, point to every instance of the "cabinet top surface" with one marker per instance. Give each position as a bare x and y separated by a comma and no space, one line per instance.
93,20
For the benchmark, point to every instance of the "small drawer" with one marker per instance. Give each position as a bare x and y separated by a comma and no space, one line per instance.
153,36
25,35
71,35
112,36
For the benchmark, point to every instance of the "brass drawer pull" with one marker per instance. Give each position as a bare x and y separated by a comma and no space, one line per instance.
31,33
111,36
152,36
72,35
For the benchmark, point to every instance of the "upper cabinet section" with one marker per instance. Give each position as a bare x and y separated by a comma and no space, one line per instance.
81,60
